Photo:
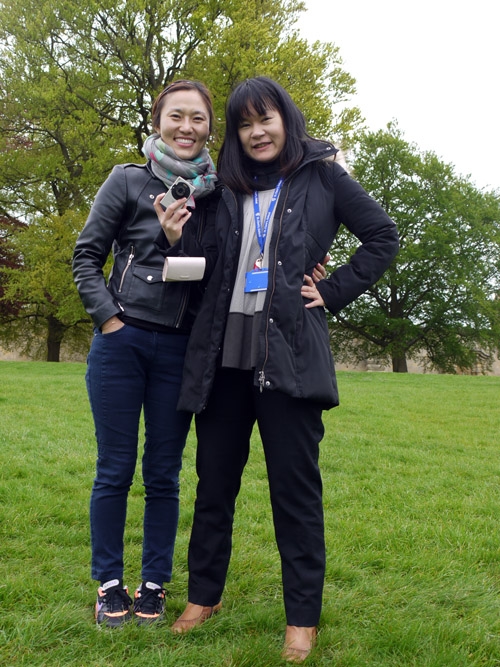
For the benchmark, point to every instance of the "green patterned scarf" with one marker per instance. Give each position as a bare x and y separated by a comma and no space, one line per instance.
166,166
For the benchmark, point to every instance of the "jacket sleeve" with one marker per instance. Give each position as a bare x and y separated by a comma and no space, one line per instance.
94,245
368,221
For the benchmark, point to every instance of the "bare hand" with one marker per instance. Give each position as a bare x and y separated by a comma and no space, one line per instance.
309,291
113,324
319,271
173,218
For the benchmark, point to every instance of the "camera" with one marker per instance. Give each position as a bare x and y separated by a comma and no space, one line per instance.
180,189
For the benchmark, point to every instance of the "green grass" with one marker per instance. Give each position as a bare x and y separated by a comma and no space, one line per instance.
411,469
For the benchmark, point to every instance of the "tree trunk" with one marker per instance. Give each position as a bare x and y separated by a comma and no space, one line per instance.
55,335
399,365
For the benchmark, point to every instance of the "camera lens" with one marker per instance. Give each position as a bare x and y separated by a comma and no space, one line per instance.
180,190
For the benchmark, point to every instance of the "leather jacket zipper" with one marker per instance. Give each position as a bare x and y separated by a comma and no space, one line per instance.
182,307
185,296
127,266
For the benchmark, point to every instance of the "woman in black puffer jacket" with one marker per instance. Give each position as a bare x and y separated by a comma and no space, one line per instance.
259,350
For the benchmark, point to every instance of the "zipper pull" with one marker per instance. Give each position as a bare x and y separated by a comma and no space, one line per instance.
127,267
262,378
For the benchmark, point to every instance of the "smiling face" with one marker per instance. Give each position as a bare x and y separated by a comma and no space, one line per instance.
262,136
184,123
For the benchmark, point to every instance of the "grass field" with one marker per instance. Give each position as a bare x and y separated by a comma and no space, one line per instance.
411,469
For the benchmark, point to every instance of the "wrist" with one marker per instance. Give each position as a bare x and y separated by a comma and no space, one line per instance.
173,238
112,322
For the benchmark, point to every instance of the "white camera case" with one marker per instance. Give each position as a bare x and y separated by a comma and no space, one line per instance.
183,268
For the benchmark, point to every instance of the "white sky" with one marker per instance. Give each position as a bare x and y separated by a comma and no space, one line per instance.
433,65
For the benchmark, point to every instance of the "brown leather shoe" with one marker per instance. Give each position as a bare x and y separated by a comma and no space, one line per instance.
194,615
299,642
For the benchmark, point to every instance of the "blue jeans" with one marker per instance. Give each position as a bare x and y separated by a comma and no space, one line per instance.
130,370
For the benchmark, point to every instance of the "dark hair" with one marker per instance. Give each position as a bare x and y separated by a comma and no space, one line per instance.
259,94
182,84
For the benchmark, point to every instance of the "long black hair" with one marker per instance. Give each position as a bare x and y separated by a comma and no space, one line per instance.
259,95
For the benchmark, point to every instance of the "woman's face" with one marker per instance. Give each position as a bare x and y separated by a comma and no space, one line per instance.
184,123
263,136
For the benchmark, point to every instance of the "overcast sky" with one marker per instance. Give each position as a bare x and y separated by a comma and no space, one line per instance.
433,65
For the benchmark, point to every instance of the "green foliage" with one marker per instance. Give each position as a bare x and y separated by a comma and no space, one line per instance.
56,141
9,259
77,85
79,81
411,502
51,308
256,38
441,294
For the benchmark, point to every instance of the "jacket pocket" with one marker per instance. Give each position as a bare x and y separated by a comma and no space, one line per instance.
315,368
145,288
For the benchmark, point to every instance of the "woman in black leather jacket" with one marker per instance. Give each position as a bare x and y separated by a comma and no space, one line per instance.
142,326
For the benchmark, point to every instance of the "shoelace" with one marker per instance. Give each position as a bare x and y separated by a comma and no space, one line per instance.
117,598
150,601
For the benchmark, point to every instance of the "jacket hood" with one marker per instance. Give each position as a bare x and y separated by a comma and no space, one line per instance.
316,149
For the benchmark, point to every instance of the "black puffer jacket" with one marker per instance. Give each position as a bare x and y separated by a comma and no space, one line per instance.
294,350
123,220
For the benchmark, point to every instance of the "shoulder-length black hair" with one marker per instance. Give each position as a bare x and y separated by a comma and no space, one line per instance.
259,94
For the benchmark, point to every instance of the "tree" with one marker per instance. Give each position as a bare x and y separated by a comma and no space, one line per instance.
260,39
440,296
77,84
42,286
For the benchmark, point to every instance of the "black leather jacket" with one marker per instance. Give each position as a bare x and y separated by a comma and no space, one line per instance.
123,221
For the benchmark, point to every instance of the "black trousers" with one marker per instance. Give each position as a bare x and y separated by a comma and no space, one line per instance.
291,430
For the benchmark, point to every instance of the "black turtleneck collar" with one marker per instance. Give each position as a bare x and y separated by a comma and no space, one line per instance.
266,174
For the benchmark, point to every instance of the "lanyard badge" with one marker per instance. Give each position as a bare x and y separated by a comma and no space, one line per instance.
256,280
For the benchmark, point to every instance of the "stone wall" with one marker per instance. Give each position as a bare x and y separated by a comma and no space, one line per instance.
368,365
413,367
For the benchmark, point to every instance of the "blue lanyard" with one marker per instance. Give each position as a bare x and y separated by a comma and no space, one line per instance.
262,232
